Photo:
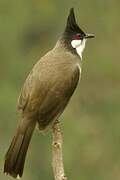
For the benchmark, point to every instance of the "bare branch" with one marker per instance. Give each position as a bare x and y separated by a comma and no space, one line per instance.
57,157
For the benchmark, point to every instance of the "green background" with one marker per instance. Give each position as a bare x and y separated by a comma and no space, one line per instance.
90,123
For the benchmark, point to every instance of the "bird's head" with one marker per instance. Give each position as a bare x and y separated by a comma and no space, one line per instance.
74,37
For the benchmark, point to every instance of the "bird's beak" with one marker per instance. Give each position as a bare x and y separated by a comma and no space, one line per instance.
89,36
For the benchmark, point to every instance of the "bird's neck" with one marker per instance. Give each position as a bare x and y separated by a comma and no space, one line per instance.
64,45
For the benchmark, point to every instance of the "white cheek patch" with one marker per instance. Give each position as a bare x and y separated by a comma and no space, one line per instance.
75,43
79,46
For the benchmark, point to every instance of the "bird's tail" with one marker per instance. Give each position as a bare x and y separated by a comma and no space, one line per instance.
15,156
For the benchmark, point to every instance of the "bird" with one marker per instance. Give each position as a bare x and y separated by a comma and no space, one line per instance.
47,91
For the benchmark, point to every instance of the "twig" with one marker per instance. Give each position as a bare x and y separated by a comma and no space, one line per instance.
57,157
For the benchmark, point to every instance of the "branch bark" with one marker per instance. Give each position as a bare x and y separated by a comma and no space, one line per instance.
57,157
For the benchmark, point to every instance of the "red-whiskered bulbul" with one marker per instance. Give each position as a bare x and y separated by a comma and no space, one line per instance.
46,92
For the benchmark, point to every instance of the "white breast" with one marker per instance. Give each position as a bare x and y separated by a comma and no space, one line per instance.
78,65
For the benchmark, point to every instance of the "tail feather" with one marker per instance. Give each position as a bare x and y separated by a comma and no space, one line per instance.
15,157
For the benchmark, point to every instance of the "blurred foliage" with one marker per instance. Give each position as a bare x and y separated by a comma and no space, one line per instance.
90,123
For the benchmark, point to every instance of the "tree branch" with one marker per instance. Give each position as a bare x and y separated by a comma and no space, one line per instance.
57,157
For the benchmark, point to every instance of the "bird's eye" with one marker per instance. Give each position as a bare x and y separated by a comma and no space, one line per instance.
76,37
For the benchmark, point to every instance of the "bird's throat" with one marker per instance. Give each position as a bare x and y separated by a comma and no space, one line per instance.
79,47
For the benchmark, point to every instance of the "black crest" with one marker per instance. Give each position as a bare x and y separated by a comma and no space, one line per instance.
72,26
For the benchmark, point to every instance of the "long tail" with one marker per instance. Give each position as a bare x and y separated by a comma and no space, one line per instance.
15,156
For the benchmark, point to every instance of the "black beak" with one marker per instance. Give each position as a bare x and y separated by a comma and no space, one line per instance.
89,36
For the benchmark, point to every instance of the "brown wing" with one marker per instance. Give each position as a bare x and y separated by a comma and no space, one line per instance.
25,92
33,87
